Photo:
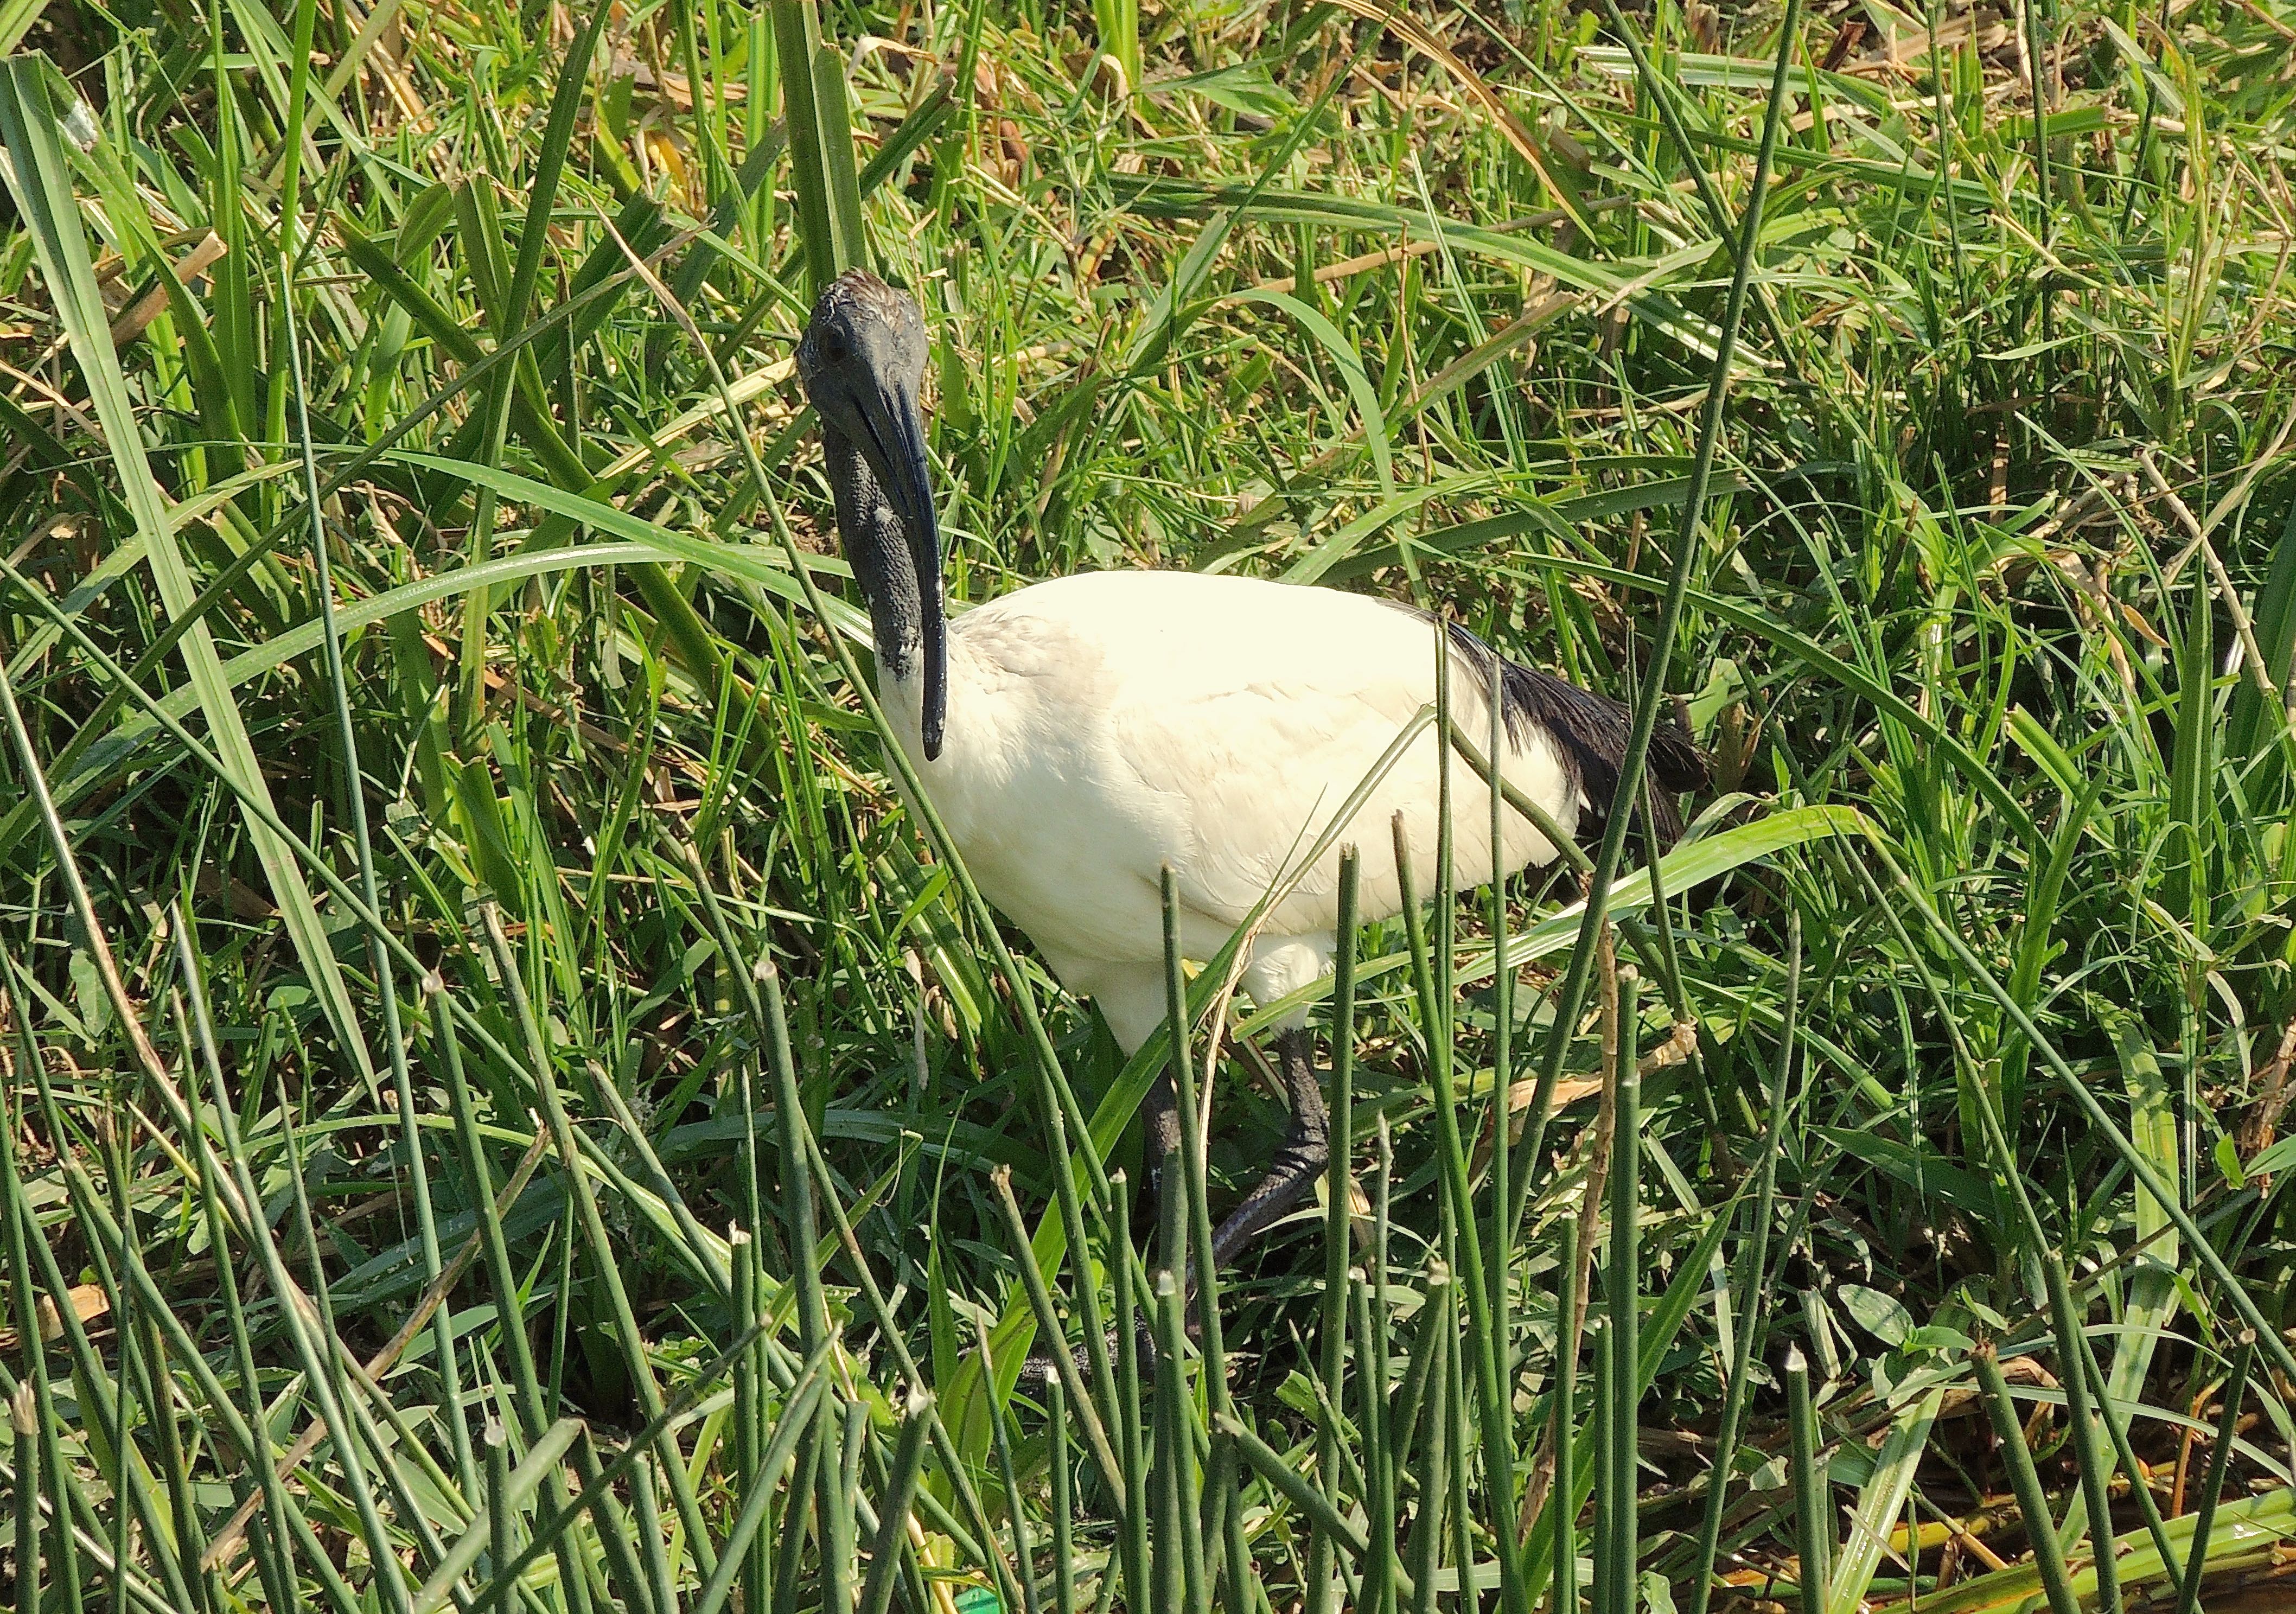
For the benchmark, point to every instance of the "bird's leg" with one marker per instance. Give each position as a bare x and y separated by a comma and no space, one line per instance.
1160,1114
1307,1149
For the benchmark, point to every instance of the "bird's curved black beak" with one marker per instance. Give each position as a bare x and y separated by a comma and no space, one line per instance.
895,447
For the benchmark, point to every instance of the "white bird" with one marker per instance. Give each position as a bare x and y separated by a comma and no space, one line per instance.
1079,735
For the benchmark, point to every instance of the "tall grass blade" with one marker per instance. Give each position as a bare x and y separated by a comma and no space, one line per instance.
1561,1431
2088,1454
1339,1219
1812,1509
2220,1465
1056,1436
1142,1503
2040,1525
1615,1500
900,1497
1622,1278
819,125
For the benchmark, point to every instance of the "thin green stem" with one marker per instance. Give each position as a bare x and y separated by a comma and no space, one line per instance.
1652,697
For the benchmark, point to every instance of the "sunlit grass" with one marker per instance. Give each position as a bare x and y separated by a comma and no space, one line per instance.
612,1159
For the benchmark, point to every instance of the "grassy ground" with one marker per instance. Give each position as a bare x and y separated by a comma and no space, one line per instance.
444,858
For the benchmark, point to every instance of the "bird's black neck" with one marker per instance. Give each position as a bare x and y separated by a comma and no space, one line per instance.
877,547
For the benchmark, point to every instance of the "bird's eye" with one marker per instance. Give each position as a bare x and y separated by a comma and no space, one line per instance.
833,347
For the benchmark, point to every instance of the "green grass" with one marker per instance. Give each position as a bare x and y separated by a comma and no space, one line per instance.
505,1109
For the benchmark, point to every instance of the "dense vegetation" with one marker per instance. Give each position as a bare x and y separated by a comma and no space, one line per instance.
503,1107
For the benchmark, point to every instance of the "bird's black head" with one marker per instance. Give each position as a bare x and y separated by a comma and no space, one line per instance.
863,364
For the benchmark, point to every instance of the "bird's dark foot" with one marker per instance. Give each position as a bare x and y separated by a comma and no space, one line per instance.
1038,1373
1305,1155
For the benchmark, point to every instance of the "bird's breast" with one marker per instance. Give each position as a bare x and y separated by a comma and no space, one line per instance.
1033,790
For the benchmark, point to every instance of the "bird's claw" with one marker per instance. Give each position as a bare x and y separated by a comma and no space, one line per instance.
1038,1372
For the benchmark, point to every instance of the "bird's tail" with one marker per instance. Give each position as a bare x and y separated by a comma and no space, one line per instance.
1588,730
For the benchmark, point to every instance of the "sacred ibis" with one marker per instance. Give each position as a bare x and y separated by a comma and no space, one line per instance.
1079,734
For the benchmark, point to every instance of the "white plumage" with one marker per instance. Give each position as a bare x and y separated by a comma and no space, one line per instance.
1104,726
